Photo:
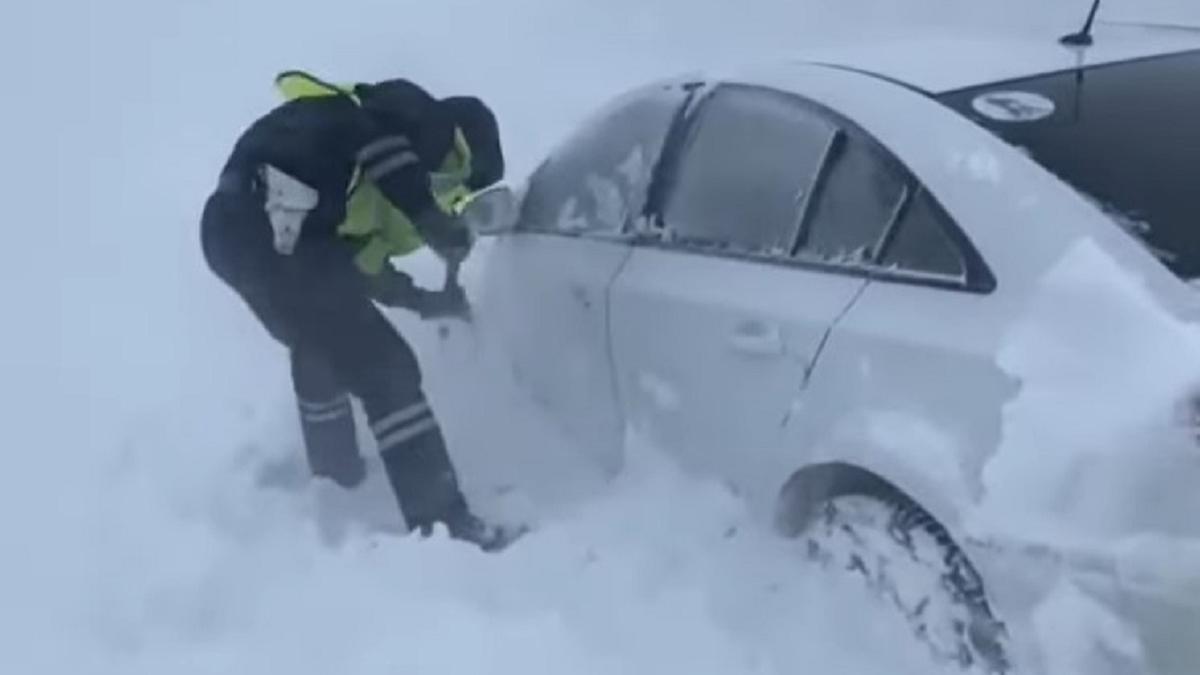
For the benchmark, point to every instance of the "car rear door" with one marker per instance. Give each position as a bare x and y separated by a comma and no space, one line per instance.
760,218
550,278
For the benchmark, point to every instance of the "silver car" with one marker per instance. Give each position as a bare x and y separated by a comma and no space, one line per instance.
889,295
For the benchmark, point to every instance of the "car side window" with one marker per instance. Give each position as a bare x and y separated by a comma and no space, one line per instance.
860,195
766,173
921,242
745,172
597,180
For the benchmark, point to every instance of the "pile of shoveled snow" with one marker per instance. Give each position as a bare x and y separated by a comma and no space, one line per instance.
1096,444
1096,457
657,573
192,566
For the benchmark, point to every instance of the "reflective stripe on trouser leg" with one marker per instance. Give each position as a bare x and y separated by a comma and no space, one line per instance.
326,417
325,411
398,422
330,442
418,466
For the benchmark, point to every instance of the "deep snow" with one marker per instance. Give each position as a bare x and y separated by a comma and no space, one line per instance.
141,396
1084,443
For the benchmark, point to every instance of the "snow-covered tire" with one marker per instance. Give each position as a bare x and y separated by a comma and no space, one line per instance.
866,527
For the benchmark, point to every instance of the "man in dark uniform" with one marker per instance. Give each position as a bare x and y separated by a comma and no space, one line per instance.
315,199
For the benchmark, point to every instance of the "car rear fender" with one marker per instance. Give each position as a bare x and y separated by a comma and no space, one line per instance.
909,453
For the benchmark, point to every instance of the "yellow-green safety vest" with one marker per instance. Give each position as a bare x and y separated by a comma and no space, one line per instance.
384,230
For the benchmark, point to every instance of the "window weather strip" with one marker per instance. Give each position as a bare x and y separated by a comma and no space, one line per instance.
836,139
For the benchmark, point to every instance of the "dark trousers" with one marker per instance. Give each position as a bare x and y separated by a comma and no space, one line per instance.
315,302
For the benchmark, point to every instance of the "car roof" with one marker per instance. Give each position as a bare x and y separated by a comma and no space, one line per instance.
940,63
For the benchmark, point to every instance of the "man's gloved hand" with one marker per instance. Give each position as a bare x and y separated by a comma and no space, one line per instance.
447,235
449,302
394,288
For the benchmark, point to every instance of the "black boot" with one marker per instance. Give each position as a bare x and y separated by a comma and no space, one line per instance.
424,481
489,537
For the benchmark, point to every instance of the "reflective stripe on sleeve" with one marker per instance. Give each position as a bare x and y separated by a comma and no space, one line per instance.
377,148
392,164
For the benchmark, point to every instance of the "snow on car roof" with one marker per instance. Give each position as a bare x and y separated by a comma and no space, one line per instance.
938,63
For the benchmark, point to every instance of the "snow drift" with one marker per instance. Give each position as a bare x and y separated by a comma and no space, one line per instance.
1107,379
143,397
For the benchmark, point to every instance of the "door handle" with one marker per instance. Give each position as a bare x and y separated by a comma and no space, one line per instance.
755,338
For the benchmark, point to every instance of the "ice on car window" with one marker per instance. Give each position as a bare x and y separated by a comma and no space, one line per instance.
609,198
597,179
921,244
747,169
859,198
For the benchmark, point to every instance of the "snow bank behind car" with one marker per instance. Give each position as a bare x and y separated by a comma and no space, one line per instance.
1106,374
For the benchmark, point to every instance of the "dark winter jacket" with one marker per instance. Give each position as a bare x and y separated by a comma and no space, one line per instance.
321,140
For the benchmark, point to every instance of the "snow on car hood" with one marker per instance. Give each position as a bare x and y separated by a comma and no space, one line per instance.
1093,447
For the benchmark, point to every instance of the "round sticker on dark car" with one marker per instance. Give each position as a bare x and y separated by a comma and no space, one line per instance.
1013,106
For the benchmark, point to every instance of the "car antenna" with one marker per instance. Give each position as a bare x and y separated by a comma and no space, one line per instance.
1084,37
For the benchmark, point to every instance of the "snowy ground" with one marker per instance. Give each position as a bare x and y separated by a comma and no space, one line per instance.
136,539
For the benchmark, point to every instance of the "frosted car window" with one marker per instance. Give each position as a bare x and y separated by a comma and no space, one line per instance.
920,243
598,178
746,172
860,196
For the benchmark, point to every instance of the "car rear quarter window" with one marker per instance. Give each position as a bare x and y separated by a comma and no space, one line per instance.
921,242
597,179
746,171
1125,135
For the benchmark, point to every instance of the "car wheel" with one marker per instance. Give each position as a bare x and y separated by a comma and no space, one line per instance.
863,526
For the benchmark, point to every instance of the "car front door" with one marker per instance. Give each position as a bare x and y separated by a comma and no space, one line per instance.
549,280
762,215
